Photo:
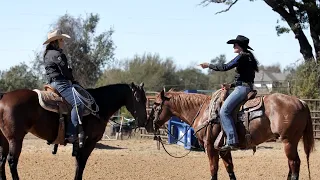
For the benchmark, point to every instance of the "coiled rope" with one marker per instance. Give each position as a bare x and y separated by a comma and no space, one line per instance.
87,101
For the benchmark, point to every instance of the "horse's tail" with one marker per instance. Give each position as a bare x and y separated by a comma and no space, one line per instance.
308,139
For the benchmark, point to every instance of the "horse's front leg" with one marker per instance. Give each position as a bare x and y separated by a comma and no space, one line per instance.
213,156
227,160
82,157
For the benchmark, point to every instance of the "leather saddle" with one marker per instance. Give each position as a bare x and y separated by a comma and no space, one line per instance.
51,100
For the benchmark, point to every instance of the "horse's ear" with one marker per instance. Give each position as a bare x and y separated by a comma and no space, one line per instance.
162,94
141,85
163,97
133,86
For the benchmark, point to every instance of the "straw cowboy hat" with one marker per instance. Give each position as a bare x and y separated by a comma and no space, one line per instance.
54,35
242,41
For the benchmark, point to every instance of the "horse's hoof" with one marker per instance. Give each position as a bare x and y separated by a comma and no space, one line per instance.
232,176
214,177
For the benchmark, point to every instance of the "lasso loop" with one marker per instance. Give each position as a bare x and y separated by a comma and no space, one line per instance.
87,101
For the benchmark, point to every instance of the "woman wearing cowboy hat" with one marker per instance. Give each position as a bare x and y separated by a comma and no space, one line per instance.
59,76
246,65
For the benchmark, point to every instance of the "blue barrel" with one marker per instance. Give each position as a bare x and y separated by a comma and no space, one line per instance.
177,128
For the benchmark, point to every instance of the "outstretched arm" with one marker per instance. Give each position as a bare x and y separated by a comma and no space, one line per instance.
225,67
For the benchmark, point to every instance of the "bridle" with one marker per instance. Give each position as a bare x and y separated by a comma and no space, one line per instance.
134,98
138,99
156,112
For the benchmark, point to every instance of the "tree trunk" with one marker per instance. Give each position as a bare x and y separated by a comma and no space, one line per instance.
293,22
313,13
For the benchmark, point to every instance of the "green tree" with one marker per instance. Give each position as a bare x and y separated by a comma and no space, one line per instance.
272,68
124,112
153,70
112,76
18,77
149,68
219,77
191,78
299,15
87,51
304,80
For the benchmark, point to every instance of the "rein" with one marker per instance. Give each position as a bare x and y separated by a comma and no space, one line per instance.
158,138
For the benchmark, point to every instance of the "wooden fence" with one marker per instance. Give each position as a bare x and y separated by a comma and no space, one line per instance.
314,105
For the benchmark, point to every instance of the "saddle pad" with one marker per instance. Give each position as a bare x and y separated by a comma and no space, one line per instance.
50,101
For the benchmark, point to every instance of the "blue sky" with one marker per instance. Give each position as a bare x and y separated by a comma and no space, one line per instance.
180,29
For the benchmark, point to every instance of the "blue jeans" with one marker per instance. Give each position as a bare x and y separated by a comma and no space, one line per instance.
65,89
227,122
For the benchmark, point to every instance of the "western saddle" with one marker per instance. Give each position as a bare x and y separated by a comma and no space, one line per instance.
51,100
249,109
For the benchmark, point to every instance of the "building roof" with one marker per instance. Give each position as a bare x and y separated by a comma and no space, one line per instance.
264,76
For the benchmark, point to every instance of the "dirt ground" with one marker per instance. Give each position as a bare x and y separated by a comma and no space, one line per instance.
140,159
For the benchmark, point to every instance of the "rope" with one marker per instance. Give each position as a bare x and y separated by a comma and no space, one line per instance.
89,100
160,141
158,138
177,140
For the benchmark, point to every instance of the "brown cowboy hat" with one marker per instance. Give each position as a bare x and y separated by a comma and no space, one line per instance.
54,35
242,41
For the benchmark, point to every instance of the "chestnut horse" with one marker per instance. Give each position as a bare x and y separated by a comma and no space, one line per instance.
282,116
20,113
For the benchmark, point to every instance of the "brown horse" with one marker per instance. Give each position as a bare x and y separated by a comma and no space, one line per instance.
259,119
21,112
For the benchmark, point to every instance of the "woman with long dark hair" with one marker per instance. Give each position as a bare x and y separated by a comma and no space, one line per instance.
246,65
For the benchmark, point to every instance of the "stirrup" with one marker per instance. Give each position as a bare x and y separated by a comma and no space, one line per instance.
228,147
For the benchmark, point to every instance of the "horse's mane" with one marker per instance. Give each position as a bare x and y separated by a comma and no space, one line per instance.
187,101
109,86
109,93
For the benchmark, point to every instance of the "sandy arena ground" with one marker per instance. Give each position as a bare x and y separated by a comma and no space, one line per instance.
139,159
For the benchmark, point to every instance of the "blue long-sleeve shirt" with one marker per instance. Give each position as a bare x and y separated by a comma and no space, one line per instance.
244,67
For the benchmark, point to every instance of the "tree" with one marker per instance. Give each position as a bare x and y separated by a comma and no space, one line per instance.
304,80
298,14
87,51
18,77
112,76
221,59
272,68
125,113
191,78
217,78
149,68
